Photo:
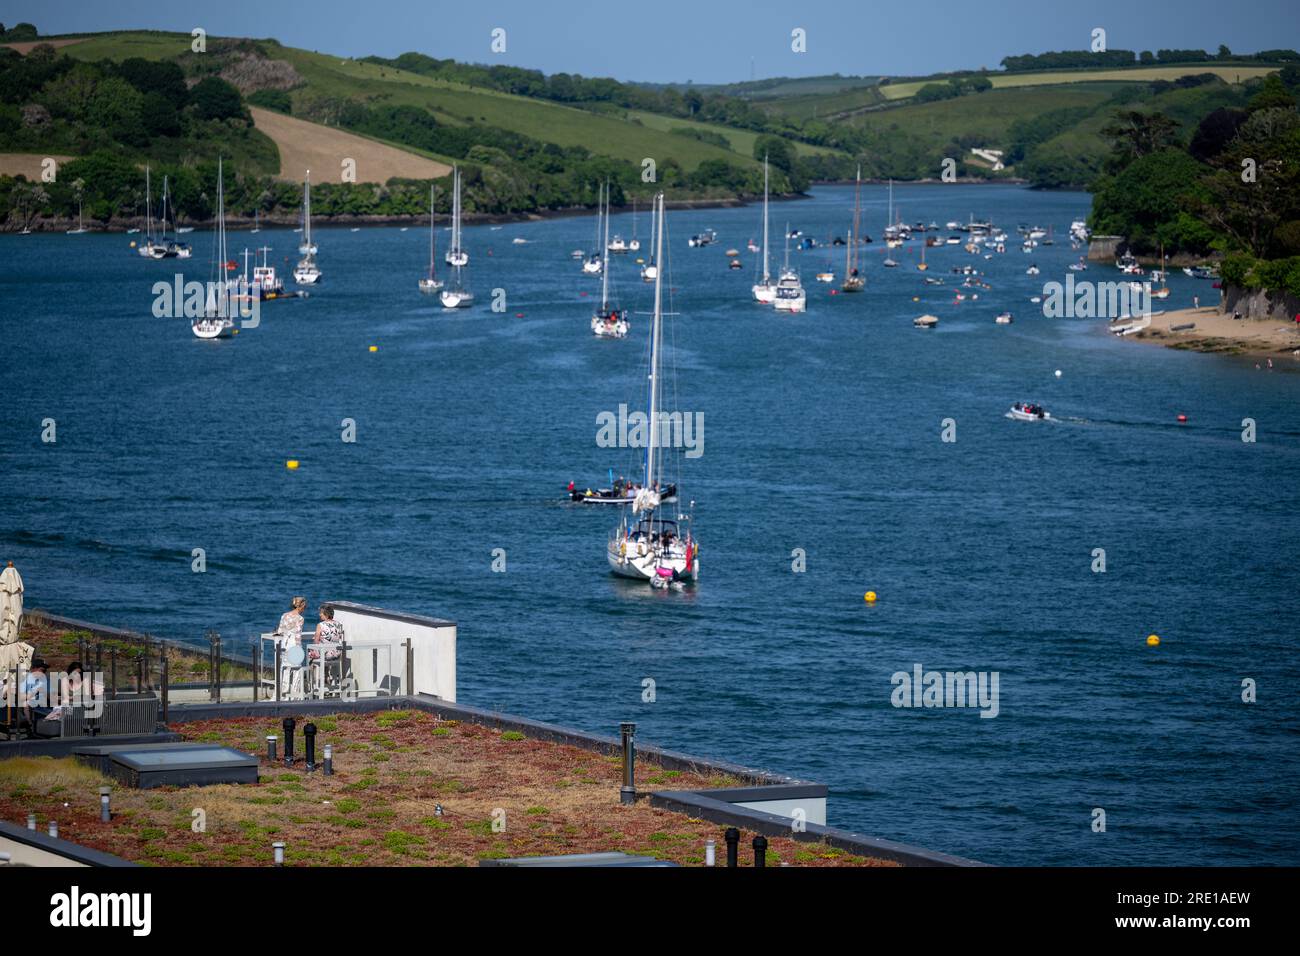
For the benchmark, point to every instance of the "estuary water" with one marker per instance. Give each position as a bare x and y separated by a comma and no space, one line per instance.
823,440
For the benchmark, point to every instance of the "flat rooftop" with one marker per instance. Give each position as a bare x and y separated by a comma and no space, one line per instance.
392,769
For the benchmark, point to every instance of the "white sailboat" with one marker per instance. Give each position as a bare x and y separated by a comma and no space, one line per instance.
765,289
618,245
257,222
456,256
306,247
217,321
790,295
650,271
608,322
431,283
306,272
150,247
594,264
80,228
634,244
457,294
174,247
648,545
853,280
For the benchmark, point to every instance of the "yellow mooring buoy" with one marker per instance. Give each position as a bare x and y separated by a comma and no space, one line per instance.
292,464
869,597
1153,640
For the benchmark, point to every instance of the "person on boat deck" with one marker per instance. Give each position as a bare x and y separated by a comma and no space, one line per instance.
289,631
329,635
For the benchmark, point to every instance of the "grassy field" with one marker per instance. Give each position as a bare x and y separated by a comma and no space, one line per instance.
988,115
451,103
1230,73
742,140
841,102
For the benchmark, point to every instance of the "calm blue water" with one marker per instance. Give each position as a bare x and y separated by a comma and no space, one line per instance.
822,433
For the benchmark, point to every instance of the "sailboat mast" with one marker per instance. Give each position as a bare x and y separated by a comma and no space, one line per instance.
767,268
433,206
655,338
857,205
221,240
455,216
604,259
148,209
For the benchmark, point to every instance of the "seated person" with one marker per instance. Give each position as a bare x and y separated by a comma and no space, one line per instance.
72,688
329,635
35,698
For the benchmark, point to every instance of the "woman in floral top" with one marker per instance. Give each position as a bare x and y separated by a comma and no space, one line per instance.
289,630
329,635
290,626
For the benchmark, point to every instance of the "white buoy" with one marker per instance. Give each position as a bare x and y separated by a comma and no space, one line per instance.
1058,373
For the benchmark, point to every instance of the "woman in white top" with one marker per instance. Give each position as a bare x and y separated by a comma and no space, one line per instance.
289,631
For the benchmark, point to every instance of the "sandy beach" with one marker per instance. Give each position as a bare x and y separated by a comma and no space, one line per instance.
1213,331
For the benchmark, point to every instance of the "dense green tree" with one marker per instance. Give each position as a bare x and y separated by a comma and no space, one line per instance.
1215,132
1134,134
215,99
1148,194
1272,94
156,76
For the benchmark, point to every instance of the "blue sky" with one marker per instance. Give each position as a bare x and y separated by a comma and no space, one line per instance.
707,41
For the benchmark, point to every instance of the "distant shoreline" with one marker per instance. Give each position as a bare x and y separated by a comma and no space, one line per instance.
472,219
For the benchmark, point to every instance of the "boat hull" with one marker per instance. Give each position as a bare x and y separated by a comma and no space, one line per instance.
636,567
452,299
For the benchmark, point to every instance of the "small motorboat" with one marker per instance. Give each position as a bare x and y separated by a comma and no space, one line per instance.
826,277
705,238
621,494
1032,271
1027,412
1004,318
519,241
925,321
735,264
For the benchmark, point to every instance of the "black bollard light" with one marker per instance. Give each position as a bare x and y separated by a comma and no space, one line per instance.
105,812
329,760
732,836
271,740
288,725
627,793
309,743
760,850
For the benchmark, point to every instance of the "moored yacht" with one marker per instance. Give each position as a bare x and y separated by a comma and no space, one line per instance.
649,544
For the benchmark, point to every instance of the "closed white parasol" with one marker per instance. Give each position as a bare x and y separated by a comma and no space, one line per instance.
11,604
